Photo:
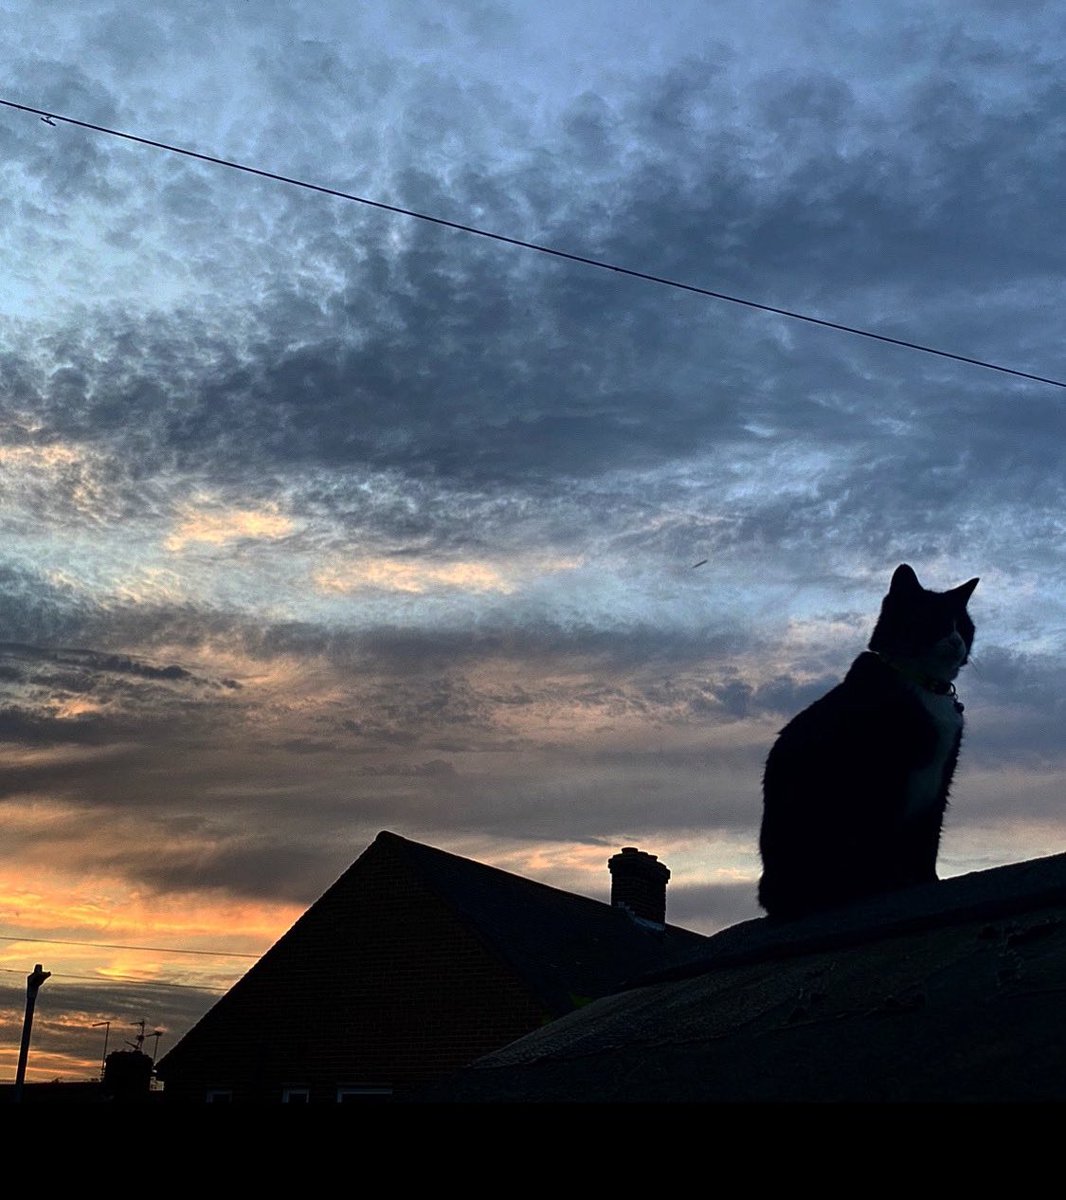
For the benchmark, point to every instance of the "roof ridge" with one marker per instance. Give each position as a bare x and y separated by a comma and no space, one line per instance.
524,880
960,898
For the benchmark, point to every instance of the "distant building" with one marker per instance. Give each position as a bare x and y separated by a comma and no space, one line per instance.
128,1076
127,1079
414,963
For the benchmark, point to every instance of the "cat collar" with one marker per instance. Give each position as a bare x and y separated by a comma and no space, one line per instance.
939,687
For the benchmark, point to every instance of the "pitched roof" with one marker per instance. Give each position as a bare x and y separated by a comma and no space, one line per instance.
567,948
563,949
946,992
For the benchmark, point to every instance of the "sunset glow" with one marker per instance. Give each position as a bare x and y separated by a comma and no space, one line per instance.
320,519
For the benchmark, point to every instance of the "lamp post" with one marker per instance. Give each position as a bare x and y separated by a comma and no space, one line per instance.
33,986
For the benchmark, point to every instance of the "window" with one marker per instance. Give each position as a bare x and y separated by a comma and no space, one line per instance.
359,1093
219,1096
295,1095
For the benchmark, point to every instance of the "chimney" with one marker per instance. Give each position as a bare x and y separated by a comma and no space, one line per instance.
638,884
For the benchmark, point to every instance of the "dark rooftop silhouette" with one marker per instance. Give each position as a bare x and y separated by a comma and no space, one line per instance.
412,964
950,991
562,944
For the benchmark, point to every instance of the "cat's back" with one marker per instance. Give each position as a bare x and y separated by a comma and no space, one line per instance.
835,790
869,708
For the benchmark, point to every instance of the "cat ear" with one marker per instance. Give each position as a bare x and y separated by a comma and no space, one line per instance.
904,580
965,590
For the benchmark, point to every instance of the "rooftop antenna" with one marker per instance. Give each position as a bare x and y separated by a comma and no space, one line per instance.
107,1034
157,1034
140,1037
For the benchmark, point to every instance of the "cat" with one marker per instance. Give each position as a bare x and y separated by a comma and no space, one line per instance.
856,785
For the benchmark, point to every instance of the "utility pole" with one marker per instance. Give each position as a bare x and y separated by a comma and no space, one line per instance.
33,986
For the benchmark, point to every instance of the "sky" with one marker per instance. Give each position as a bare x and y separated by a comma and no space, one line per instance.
320,520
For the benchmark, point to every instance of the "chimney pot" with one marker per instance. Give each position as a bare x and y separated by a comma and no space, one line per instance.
638,884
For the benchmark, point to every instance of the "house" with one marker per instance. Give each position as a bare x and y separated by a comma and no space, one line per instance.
414,963
945,992
127,1079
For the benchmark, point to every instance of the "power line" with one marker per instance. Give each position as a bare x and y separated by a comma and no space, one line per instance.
4,937
49,117
109,979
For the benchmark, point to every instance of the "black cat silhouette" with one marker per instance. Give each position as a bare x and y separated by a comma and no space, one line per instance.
856,785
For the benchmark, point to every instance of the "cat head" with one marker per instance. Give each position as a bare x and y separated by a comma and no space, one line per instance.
928,632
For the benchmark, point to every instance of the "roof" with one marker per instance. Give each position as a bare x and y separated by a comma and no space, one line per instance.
946,992
566,947
369,931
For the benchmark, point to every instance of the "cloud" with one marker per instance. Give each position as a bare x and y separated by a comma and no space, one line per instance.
415,577
418,577
201,522
321,520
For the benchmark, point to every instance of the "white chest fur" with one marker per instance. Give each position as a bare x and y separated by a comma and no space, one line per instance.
925,785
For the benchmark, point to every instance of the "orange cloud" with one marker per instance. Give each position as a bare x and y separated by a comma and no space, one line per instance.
42,902
418,577
217,525
39,458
